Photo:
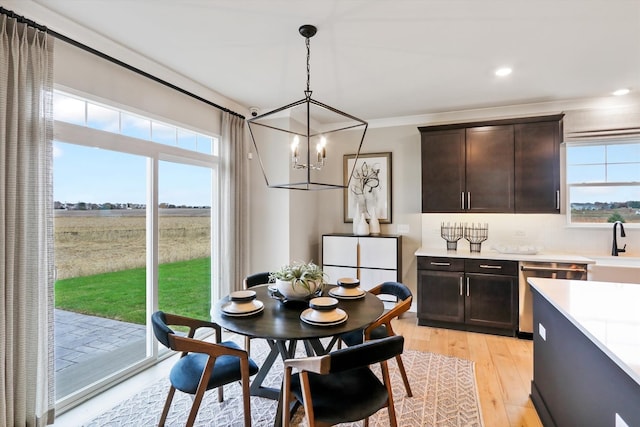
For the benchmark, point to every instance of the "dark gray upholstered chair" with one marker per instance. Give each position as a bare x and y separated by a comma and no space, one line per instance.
340,386
249,282
382,327
203,365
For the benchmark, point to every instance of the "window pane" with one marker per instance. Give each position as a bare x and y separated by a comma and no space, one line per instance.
163,134
205,144
136,127
585,154
103,118
599,204
184,273
623,153
68,109
100,245
629,172
586,173
187,140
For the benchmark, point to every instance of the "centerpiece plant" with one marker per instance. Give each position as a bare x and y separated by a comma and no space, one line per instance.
300,278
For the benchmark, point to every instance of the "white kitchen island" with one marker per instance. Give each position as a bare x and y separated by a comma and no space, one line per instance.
586,353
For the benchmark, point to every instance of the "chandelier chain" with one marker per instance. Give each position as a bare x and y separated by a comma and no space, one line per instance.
308,63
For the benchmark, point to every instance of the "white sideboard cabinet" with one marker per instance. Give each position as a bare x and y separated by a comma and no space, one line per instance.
372,259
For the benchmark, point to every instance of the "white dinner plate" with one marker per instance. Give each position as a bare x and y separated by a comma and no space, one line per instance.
338,322
340,296
306,317
244,313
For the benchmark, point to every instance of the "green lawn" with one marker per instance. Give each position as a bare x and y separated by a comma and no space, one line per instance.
184,288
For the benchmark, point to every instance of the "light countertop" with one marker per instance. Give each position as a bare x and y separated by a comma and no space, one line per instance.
493,254
607,313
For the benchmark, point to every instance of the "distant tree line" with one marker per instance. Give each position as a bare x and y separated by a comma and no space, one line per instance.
85,206
596,206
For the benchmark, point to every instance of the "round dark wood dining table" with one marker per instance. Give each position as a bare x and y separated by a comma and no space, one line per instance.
279,321
280,325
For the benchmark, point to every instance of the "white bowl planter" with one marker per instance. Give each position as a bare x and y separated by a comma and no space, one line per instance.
297,291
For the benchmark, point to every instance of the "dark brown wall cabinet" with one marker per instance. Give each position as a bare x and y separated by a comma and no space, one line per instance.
469,294
492,167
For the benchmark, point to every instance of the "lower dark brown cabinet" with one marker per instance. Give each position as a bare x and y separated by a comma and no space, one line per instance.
470,294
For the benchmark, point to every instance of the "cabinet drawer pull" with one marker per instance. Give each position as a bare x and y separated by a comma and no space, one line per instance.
460,285
445,264
462,200
467,286
494,267
558,199
469,200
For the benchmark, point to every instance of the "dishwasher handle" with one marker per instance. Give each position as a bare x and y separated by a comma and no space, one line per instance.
553,269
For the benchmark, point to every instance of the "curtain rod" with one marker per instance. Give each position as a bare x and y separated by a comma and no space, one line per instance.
103,55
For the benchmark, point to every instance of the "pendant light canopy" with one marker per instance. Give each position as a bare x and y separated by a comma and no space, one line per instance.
300,145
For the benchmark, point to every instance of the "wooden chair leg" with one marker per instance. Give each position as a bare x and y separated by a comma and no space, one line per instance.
387,382
286,397
247,345
403,373
246,398
167,405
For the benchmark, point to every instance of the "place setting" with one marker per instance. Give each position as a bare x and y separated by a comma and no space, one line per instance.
242,304
324,311
348,288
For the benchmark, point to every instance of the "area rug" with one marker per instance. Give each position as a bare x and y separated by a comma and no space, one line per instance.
444,395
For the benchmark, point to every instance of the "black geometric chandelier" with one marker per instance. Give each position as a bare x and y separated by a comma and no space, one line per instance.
300,145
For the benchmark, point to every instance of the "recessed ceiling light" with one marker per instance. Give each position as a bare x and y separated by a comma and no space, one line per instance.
504,71
621,92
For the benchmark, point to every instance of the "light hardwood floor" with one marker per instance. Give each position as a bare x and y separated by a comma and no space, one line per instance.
504,368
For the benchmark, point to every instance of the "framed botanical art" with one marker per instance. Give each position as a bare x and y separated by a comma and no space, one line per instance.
370,186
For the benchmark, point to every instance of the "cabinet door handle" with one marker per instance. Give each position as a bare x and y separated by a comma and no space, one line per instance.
460,285
468,200
558,199
462,200
494,267
446,264
467,286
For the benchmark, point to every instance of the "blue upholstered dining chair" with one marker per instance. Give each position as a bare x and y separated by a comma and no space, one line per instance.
340,386
203,365
382,328
249,282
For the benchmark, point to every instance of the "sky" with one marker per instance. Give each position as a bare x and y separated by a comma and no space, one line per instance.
93,175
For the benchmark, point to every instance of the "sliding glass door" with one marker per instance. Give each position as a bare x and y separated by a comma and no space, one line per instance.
134,233
100,247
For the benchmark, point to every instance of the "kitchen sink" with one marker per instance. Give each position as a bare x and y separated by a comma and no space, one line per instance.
615,269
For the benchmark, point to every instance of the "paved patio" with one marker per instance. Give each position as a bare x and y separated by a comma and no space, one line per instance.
89,347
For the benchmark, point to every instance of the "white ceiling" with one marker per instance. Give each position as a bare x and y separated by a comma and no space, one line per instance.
381,59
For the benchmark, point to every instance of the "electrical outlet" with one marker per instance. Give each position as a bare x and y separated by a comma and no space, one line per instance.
542,331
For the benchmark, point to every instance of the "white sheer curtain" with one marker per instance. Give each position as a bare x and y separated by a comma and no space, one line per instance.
26,225
234,201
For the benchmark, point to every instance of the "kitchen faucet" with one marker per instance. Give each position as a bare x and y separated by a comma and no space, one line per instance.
615,250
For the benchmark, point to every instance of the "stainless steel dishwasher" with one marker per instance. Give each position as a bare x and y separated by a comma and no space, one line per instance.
551,270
